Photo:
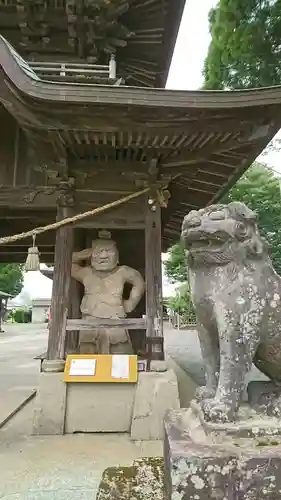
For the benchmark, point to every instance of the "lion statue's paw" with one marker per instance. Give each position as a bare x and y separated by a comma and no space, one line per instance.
204,392
217,411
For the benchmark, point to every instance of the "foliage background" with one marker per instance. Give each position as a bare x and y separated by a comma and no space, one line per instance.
245,48
245,52
260,190
11,278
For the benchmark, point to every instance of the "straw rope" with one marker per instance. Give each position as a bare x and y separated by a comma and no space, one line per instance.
70,220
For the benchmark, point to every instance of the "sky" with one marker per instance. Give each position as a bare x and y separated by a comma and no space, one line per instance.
185,74
191,46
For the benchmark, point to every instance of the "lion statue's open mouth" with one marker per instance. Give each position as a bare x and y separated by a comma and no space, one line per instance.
220,230
237,299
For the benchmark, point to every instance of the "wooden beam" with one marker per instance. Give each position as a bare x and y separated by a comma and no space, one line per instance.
187,156
25,196
92,167
46,197
61,287
129,323
21,250
153,281
199,187
202,180
75,298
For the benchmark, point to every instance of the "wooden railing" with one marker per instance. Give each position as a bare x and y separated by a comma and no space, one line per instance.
67,71
76,325
75,72
179,321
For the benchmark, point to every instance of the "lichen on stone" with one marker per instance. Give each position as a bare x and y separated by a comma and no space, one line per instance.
116,483
144,480
236,295
148,482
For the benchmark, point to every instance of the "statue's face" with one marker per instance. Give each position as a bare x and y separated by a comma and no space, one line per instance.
218,233
210,228
104,256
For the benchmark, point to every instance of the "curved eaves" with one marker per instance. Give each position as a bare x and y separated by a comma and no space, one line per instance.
26,81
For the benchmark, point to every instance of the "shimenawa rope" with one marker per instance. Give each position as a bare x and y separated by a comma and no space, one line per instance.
69,220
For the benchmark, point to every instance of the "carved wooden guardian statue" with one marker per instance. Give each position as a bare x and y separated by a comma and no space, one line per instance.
237,297
104,283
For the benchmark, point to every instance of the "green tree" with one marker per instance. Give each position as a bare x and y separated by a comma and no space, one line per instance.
175,266
181,303
245,48
260,190
11,278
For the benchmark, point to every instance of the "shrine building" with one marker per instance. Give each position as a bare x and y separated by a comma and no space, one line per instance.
86,120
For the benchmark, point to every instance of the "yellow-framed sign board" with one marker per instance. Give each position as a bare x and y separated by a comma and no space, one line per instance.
101,368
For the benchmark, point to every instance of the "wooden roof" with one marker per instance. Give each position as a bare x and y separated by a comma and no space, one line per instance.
141,32
111,139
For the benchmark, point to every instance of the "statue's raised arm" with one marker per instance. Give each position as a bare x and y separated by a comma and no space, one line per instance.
77,271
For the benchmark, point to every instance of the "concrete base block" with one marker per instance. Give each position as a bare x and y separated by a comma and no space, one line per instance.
93,407
209,461
99,407
156,393
49,413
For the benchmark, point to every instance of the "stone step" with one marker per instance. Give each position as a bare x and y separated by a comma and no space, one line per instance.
141,481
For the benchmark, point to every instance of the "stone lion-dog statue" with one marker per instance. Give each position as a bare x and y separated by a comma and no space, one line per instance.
237,299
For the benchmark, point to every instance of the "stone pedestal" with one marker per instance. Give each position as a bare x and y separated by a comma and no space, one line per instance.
50,402
225,461
138,409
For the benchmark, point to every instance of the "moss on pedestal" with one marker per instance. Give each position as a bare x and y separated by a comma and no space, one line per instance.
149,479
116,483
142,481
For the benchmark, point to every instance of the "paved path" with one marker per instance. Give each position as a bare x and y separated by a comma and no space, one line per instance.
18,346
61,467
183,346
19,372
52,467
20,343
65,467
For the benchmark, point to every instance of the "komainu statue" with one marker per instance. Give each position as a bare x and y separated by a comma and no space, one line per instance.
237,298
104,282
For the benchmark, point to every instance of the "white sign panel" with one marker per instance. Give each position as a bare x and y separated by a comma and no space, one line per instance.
120,366
82,367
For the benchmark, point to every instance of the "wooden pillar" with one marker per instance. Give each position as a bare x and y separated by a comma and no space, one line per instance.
153,279
61,286
75,297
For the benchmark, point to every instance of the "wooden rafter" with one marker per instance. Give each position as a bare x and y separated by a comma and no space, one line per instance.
76,30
